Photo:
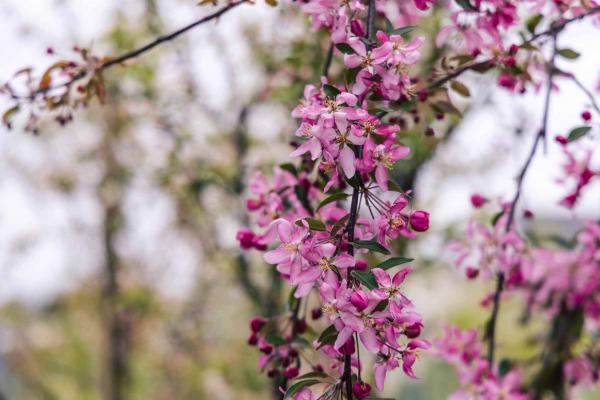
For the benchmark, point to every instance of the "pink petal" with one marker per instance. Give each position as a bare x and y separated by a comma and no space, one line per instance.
382,277
276,256
346,159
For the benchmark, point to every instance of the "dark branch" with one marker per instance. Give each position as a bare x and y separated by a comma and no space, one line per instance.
491,332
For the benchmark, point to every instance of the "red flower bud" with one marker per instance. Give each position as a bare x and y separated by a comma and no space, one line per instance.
361,389
471,272
348,348
246,238
361,265
561,139
316,313
291,372
478,200
419,221
252,339
413,331
359,300
257,323
586,115
272,372
301,326
357,27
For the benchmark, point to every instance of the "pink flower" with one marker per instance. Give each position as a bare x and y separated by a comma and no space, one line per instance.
394,51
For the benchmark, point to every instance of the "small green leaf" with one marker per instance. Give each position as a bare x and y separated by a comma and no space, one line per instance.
299,385
313,224
403,30
366,278
382,305
392,262
331,91
332,198
339,224
504,366
568,53
497,217
372,244
303,197
578,132
444,107
466,4
275,339
532,23
328,336
313,375
461,89
350,75
8,114
289,167
345,48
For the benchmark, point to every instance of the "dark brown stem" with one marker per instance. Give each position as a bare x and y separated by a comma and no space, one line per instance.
139,51
328,60
541,134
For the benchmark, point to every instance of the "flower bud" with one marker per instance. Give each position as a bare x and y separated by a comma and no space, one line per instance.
586,115
413,331
357,27
316,313
272,372
359,300
361,265
348,348
301,326
291,372
361,389
478,200
471,272
252,339
419,221
257,323
561,139
246,238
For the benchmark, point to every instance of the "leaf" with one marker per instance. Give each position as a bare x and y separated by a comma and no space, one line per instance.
275,339
328,336
466,4
366,278
272,3
382,305
289,167
313,224
303,198
568,53
331,91
46,79
313,374
332,198
392,262
482,67
339,224
532,23
345,48
350,75
578,132
444,107
403,30
497,217
460,88
8,114
504,366
372,244
299,385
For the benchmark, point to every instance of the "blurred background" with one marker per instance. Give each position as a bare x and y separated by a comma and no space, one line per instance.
120,276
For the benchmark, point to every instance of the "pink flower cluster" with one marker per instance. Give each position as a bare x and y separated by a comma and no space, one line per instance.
464,350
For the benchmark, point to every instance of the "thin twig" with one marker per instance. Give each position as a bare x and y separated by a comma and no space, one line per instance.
541,134
139,51
586,91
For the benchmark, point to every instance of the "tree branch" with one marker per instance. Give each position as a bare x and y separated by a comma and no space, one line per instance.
491,332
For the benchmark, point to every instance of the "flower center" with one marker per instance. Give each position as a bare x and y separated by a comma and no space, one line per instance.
290,246
328,309
325,264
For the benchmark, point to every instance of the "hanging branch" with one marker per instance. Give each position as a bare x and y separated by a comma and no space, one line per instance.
491,326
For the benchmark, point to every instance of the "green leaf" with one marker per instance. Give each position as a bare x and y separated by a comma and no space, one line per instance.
403,30
366,278
313,375
497,217
313,224
568,53
334,197
504,366
577,133
392,262
345,48
444,107
339,224
372,245
532,23
388,25
350,75
460,88
328,336
303,197
299,385
275,339
382,305
331,91
466,4
289,167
